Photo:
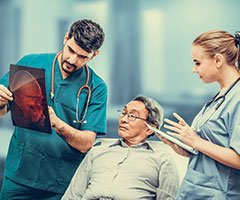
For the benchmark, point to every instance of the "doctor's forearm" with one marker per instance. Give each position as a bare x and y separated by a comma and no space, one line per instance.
81,140
221,154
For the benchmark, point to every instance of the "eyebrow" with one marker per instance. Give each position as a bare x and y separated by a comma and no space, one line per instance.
132,110
83,56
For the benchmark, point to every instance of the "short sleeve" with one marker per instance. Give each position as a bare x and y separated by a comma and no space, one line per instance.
5,79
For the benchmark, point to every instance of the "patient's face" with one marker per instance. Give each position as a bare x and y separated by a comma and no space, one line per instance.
29,99
133,132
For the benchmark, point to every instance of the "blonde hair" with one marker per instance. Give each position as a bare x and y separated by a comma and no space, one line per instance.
219,41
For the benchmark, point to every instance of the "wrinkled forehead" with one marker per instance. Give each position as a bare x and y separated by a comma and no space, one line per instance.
136,106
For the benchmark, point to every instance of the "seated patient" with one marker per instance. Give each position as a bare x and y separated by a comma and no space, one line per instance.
130,168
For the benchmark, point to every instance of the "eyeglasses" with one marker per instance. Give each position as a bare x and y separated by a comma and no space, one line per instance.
131,117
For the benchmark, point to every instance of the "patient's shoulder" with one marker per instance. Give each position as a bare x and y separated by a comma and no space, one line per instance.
104,142
102,145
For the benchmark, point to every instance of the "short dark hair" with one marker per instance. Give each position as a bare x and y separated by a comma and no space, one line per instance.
155,111
87,34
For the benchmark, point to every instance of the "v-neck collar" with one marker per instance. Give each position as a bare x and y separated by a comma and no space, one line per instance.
59,76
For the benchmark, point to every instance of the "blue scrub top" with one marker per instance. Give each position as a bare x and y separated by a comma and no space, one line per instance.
206,178
46,161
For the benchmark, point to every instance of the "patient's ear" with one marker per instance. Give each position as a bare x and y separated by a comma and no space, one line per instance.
149,131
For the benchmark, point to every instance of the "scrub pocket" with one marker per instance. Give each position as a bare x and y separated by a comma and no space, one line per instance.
67,166
15,152
199,186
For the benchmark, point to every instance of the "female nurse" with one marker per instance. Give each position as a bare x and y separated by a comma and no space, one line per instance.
213,173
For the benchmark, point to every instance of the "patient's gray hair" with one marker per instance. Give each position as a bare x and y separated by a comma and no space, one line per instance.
155,111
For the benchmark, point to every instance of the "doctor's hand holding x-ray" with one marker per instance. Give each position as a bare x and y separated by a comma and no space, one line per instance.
5,96
213,173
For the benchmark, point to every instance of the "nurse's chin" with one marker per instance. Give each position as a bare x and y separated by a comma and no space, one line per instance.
205,81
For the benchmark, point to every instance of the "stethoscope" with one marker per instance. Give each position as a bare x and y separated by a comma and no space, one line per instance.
207,111
85,86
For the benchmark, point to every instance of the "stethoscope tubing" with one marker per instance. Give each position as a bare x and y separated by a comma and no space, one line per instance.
85,86
214,99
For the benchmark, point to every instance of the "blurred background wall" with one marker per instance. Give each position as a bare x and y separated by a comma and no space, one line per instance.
147,48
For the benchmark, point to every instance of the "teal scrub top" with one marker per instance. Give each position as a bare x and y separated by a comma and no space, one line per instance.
46,161
207,178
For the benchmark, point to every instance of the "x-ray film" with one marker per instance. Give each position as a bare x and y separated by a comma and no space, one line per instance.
29,107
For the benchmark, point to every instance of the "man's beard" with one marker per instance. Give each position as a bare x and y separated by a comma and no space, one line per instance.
66,69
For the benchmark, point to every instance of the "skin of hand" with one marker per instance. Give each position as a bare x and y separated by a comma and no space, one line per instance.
53,118
182,131
5,96
82,140
175,147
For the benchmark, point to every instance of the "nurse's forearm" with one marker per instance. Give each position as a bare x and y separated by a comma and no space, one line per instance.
81,140
221,154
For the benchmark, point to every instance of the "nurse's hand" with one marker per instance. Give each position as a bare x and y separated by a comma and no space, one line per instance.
175,147
182,131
